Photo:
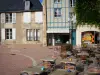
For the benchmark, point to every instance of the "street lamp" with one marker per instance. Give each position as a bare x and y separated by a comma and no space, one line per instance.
70,20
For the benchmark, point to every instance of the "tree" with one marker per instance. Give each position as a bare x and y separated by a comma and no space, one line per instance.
88,12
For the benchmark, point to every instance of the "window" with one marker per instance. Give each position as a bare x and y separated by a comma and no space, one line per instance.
33,34
57,1
27,5
57,12
8,33
29,33
72,3
71,14
36,35
27,17
8,17
38,17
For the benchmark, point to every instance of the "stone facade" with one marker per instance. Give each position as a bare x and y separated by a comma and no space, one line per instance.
20,27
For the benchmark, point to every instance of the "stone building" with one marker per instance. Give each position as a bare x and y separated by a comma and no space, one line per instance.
21,22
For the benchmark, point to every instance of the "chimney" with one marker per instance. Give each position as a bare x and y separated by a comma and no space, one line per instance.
27,5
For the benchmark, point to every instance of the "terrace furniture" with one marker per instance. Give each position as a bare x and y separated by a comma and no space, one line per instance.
35,70
49,64
93,71
62,72
69,64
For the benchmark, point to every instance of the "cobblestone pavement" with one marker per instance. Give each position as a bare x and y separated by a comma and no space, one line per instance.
14,58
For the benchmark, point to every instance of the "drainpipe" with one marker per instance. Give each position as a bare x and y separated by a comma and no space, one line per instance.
69,21
44,23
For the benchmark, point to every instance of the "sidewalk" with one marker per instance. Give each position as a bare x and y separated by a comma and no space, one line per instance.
35,52
15,58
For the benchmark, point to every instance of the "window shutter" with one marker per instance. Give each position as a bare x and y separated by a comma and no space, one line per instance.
38,34
2,17
31,33
38,17
27,17
28,34
13,33
13,17
34,34
3,34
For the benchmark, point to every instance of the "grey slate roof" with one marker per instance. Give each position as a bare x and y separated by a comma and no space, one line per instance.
18,5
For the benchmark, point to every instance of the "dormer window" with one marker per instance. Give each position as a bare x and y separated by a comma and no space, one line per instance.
57,1
27,5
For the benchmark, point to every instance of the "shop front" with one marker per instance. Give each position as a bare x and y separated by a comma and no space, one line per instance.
57,38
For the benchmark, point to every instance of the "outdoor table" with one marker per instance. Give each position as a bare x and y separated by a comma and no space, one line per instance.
62,72
83,55
32,71
49,63
69,64
96,72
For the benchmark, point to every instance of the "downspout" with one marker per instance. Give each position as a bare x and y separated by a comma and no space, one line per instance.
69,20
44,22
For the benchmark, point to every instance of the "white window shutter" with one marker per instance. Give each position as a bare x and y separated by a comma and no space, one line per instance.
2,17
35,34
27,17
39,17
38,34
3,34
28,34
31,33
13,17
13,33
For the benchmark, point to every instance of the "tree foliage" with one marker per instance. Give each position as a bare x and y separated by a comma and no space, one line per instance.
88,12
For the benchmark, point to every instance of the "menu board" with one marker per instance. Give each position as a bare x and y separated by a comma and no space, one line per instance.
88,38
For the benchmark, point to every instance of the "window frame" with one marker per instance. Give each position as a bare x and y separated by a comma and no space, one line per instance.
8,17
29,38
56,15
34,36
8,34
72,3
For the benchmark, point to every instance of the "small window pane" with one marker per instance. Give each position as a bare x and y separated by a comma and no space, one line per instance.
7,37
10,37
